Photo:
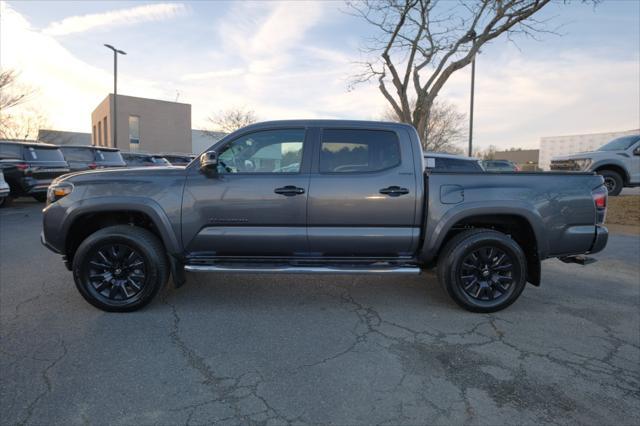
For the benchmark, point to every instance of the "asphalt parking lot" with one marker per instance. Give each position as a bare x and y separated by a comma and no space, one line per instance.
242,349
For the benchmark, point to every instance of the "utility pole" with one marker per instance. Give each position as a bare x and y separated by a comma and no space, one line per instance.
114,118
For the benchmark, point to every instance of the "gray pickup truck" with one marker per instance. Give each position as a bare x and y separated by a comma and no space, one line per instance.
315,196
617,161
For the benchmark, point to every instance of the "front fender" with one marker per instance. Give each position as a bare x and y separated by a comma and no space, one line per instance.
58,219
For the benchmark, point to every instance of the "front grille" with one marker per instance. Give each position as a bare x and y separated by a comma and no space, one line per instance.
568,165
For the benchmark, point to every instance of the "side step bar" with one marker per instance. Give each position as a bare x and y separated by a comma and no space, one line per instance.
289,269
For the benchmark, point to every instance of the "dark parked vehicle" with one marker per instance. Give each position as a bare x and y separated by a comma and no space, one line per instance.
618,162
4,189
178,159
453,163
319,196
500,166
137,159
84,157
30,167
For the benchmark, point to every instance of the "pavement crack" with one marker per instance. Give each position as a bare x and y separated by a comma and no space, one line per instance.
47,381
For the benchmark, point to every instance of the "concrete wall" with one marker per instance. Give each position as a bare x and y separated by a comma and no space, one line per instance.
552,146
163,126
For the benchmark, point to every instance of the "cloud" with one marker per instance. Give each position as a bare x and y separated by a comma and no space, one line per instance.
233,72
131,16
68,89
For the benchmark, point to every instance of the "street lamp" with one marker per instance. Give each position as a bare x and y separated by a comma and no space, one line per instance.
114,119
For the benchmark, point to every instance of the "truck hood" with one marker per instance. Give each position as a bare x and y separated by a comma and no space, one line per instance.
594,155
120,174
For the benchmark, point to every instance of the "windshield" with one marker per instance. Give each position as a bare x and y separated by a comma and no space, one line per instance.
43,154
620,144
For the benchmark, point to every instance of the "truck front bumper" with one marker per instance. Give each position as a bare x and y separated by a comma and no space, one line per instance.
600,240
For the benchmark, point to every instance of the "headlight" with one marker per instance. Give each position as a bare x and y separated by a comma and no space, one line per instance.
58,190
583,163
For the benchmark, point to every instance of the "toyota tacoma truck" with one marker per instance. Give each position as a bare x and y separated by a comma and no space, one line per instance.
618,162
319,197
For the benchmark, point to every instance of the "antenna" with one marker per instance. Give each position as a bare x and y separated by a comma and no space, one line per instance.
177,95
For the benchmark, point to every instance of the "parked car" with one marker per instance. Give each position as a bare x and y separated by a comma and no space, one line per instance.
178,159
500,166
358,202
85,157
30,167
618,162
4,189
137,159
453,163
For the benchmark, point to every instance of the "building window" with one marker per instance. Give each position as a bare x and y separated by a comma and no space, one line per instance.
104,129
100,133
134,133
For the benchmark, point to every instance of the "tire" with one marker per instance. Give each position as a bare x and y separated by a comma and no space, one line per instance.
120,268
40,197
613,181
5,201
495,287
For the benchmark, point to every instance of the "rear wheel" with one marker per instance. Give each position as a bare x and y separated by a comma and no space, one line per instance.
613,181
482,270
120,268
5,201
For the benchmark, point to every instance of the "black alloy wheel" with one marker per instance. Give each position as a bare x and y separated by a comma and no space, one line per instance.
116,272
486,274
120,268
482,270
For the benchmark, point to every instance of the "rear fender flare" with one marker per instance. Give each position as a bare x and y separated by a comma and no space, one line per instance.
435,238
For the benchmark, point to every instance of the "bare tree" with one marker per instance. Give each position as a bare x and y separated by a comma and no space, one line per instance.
233,119
16,120
11,94
421,43
446,127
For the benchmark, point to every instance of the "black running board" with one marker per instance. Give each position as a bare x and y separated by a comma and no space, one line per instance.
580,260
295,269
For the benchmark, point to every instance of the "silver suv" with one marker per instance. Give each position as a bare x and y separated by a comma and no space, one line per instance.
618,162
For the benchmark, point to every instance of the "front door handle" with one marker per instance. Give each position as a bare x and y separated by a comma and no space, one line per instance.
289,190
394,191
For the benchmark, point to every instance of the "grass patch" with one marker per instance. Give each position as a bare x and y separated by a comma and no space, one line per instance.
624,210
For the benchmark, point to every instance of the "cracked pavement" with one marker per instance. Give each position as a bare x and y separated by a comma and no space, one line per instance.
268,349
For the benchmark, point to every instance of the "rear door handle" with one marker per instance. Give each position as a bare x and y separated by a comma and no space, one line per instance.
394,191
289,190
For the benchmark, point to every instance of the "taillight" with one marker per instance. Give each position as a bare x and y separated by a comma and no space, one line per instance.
22,166
600,200
92,165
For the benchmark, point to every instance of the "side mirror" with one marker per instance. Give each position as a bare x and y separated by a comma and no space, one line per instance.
430,163
636,151
209,162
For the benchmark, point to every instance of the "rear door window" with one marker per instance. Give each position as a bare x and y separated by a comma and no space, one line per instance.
358,151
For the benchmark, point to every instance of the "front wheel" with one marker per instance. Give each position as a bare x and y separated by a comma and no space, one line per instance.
482,270
120,268
613,181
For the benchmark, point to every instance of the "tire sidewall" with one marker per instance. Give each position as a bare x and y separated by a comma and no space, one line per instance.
81,259
454,262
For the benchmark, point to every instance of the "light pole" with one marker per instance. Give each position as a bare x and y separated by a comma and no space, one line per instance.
471,37
114,119
473,83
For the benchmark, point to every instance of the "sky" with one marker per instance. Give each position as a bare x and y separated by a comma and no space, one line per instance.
294,60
